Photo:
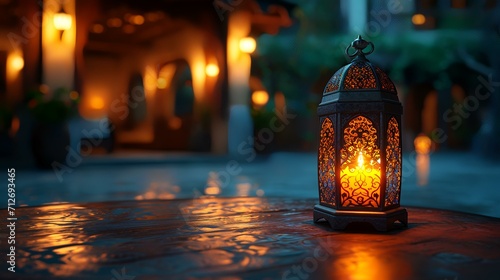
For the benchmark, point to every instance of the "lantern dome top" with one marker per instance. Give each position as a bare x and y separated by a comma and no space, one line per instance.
360,74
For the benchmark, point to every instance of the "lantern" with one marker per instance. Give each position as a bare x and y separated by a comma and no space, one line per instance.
62,21
359,155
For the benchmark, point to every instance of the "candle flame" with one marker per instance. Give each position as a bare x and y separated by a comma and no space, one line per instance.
361,160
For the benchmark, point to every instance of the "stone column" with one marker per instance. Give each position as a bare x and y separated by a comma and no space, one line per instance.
240,127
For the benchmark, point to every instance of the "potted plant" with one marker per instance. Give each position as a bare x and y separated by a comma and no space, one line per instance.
50,136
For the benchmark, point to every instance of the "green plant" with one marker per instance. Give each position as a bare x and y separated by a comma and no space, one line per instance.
52,106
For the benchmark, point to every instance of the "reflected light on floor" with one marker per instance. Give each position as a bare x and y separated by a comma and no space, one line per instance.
243,189
213,184
234,216
365,263
159,190
423,146
59,246
260,192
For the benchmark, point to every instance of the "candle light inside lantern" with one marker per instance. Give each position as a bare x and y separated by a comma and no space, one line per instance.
361,161
361,182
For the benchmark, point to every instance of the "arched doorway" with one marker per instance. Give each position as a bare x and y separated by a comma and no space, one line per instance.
174,107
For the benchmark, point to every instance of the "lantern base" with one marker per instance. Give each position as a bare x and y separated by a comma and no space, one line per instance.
381,221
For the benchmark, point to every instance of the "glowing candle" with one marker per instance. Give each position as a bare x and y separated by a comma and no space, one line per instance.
361,182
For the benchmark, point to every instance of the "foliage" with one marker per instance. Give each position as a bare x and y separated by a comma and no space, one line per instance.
317,46
431,53
52,106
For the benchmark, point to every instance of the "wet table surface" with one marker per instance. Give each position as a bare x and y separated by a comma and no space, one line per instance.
243,238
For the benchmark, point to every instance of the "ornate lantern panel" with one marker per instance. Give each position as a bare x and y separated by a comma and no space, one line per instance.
359,154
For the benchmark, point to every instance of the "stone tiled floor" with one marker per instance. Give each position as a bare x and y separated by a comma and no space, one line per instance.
457,181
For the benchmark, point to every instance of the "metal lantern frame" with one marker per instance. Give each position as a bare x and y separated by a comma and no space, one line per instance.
359,154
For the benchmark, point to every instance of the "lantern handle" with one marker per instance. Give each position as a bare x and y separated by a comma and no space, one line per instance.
359,44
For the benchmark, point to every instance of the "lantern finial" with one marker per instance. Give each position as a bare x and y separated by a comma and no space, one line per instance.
359,44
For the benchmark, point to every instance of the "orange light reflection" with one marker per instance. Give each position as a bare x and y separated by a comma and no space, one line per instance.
365,263
60,239
423,145
159,190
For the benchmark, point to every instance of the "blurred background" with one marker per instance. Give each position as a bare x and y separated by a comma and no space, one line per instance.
107,100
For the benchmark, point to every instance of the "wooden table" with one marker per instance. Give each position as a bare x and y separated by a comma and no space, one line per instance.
243,238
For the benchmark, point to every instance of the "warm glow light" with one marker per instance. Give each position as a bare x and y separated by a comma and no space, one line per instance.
44,89
359,151
175,123
361,161
61,244
422,144
137,19
362,178
260,97
212,70
243,189
114,22
73,95
212,190
14,126
62,21
213,184
58,38
165,76
279,101
418,19
423,163
16,62
360,168
248,45
150,80
97,103
161,83
159,190
364,262
97,28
